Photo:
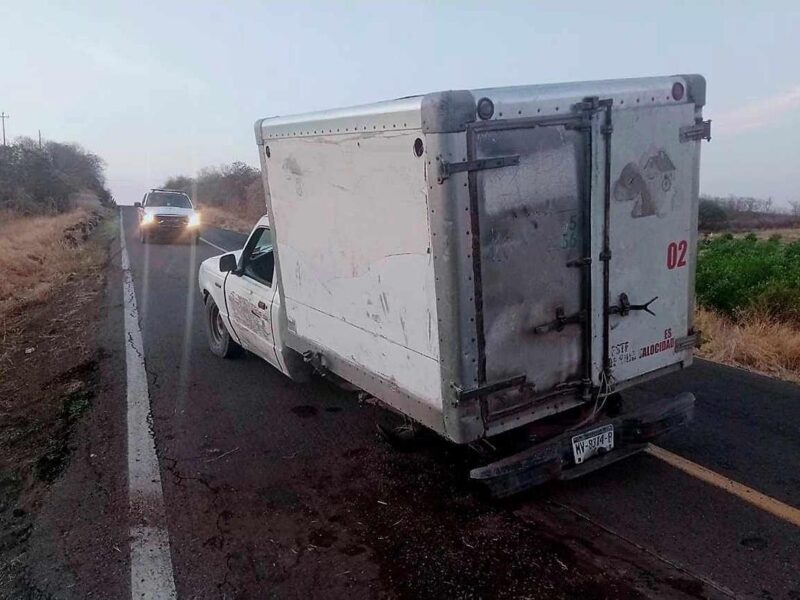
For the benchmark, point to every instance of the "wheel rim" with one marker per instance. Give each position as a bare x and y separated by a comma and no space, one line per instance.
217,326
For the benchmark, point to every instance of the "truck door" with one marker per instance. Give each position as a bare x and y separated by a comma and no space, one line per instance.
652,239
250,294
530,215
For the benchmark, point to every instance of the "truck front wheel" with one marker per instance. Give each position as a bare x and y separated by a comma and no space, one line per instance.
219,340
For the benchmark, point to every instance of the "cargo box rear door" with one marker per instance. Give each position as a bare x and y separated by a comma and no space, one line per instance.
532,298
652,239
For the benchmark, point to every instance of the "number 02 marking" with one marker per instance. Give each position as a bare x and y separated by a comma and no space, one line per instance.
676,254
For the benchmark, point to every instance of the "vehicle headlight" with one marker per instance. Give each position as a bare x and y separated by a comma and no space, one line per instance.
194,220
148,218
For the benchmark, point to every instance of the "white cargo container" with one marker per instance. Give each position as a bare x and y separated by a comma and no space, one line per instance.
479,260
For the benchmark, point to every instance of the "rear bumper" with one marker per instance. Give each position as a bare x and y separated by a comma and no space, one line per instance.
553,459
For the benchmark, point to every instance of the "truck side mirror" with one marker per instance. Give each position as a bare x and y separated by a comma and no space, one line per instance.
227,263
137,204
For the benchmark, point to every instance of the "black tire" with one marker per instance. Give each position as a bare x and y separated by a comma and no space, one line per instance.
219,340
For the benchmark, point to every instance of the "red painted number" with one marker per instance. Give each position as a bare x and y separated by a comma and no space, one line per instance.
676,254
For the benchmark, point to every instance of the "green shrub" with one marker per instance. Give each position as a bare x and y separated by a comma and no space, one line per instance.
744,275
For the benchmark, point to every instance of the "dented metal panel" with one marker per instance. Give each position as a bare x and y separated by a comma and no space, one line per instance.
531,229
350,213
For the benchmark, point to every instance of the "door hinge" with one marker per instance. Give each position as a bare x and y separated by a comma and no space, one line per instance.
462,395
701,130
560,321
686,342
585,261
446,169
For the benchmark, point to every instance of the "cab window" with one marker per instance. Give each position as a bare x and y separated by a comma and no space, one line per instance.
259,260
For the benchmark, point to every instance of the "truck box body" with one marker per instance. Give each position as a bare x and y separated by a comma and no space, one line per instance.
482,259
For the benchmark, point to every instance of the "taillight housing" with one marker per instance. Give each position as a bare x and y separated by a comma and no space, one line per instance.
678,91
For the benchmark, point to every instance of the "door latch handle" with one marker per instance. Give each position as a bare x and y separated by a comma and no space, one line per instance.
625,307
560,321
261,305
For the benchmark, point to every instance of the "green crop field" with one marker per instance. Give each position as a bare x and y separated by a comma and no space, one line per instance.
739,276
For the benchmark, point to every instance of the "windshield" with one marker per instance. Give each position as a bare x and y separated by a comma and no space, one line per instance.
263,242
174,199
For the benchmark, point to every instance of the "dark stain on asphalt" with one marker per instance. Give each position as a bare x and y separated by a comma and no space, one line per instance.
419,503
754,543
305,411
333,409
324,538
690,587
354,452
353,550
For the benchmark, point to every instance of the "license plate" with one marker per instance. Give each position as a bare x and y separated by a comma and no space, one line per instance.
592,442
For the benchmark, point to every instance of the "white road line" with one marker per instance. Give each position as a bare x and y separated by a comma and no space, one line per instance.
220,248
151,564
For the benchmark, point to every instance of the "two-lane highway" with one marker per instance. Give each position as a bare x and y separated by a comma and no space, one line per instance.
275,489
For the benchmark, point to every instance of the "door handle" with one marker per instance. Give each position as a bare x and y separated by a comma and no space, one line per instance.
261,305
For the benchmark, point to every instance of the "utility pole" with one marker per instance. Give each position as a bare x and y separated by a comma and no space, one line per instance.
3,117
40,139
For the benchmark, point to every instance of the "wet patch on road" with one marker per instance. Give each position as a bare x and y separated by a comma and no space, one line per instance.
305,411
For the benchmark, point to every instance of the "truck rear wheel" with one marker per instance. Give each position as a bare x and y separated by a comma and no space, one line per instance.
219,340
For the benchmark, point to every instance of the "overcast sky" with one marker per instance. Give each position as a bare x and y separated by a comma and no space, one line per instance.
160,87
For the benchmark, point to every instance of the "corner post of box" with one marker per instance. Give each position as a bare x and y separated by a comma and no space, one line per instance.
445,118
447,112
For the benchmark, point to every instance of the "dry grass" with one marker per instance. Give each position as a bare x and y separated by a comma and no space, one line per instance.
230,218
756,343
39,254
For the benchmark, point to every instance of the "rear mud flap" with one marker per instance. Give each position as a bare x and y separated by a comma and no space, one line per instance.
553,459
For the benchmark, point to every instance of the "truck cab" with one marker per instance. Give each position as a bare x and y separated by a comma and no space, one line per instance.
239,291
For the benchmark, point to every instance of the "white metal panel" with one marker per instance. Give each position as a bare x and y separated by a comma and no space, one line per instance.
652,241
551,99
351,227
392,115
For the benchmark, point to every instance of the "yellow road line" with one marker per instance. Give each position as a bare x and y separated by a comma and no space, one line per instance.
749,495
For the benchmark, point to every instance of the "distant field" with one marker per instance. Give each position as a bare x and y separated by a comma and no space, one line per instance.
786,235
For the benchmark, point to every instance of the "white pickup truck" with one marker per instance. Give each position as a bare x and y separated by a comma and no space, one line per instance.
495,264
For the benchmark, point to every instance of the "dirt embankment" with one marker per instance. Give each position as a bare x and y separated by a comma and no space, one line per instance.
53,278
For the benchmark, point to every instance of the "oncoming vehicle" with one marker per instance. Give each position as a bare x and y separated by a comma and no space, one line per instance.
496,264
168,213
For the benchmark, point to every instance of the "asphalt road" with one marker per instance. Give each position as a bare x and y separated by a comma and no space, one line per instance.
275,489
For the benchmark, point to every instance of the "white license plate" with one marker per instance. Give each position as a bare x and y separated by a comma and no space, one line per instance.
592,442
